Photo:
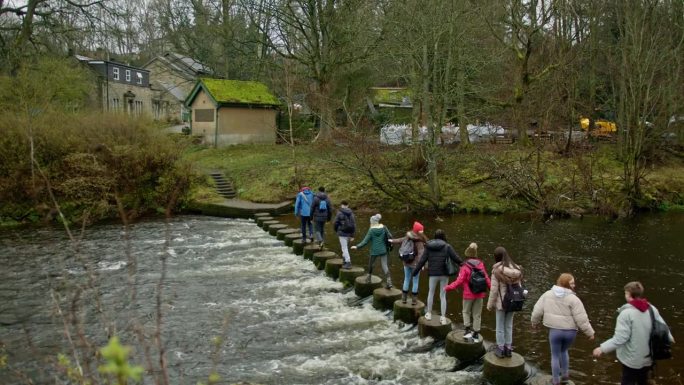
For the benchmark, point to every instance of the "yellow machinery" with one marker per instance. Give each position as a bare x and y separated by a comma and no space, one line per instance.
603,127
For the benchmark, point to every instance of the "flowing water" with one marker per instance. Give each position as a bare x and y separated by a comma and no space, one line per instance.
286,323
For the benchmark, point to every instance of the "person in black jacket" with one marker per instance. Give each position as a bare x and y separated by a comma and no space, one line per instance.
437,251
345,227
321,211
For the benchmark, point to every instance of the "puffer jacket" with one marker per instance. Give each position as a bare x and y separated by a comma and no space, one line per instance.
501,276
342,214
303,203
436,253
632,335
561,309
463,279
376,235
418,243
318,215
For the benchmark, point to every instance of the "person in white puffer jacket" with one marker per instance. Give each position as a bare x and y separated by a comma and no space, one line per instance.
563,313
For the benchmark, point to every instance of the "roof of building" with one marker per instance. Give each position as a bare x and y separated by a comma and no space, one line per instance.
398,96
183,65
225,92
177,92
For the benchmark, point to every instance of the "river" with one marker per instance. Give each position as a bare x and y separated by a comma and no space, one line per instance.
286,323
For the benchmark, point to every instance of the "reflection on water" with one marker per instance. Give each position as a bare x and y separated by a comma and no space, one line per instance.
288,324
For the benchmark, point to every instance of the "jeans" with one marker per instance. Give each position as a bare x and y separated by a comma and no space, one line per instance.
504,328
473,307
560,341
319,231
635,376
304,222
383,261
409,280
432,284
344,245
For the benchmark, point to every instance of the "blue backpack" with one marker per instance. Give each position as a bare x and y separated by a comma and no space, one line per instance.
323,205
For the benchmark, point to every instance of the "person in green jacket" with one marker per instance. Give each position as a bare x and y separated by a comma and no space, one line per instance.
377,235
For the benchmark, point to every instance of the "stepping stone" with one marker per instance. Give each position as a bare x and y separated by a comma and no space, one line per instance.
408,313
290,238
280,234
297,246
363,289
504,371
320,257
433,328
309,250
273,229
383,299
262,214
266,225
332,267
464,350
543,379
348,276
260,220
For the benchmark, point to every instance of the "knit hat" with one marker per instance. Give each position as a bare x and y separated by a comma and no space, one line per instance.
417,227
471,251
375,219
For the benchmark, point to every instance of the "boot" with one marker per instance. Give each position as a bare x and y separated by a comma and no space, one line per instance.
368,279
388,282
404,296
414,299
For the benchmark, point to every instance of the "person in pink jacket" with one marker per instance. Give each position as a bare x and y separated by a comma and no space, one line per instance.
474,291
563,313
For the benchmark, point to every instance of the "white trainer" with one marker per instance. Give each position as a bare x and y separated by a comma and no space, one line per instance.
443,320
428,316
468,336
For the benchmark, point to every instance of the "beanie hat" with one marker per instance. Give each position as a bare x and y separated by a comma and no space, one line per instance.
417,227
375,219
471,251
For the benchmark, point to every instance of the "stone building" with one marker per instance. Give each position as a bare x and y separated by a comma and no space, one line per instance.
121,87
172,77
228,112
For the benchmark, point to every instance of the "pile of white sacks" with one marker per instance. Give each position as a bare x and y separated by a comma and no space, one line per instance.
394,134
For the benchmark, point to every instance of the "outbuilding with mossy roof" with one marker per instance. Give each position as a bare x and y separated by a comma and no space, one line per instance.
228,112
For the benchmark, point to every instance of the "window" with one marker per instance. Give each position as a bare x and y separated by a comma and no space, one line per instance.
138,107
205,115
115,72
128,75
115,104
140,77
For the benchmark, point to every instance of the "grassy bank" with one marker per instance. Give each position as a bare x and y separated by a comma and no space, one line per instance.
482,178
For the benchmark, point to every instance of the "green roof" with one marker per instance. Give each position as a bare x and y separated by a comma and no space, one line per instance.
238,92
389,95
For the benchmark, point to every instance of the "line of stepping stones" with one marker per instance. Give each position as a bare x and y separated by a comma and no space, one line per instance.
497,371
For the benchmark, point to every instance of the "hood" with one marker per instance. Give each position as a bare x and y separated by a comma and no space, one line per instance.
321,195
345,210
435,244
305,188
561,292
640,303
307,192
507,274
474,263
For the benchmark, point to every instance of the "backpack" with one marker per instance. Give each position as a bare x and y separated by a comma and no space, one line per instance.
659,343
514,298
407,250
345,225
478,281
388,245
323,205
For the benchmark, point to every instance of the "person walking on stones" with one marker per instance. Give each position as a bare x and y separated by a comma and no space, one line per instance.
411,251
303,210
378,236
322,212
474,280
631,340
563,313
345,227
437,251
504,272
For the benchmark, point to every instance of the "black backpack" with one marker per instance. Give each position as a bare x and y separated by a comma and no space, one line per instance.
659,343
478,281
345,225
514,298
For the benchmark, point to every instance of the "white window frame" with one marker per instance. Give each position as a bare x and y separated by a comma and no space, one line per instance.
128,75
115,73
140,77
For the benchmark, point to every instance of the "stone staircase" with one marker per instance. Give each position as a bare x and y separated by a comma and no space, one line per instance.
223,186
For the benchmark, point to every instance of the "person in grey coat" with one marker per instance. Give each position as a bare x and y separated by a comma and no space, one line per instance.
631,340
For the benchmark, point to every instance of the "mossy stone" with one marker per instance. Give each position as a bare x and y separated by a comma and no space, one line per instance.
383,299
407,312
464,350
332,267
504,371
348,276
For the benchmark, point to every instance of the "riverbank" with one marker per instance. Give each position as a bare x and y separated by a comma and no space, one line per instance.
478,179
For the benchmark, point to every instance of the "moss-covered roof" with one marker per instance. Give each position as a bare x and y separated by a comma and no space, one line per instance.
389,95
239,92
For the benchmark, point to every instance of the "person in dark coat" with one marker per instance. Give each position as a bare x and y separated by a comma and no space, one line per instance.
321,211
345,227
437,251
